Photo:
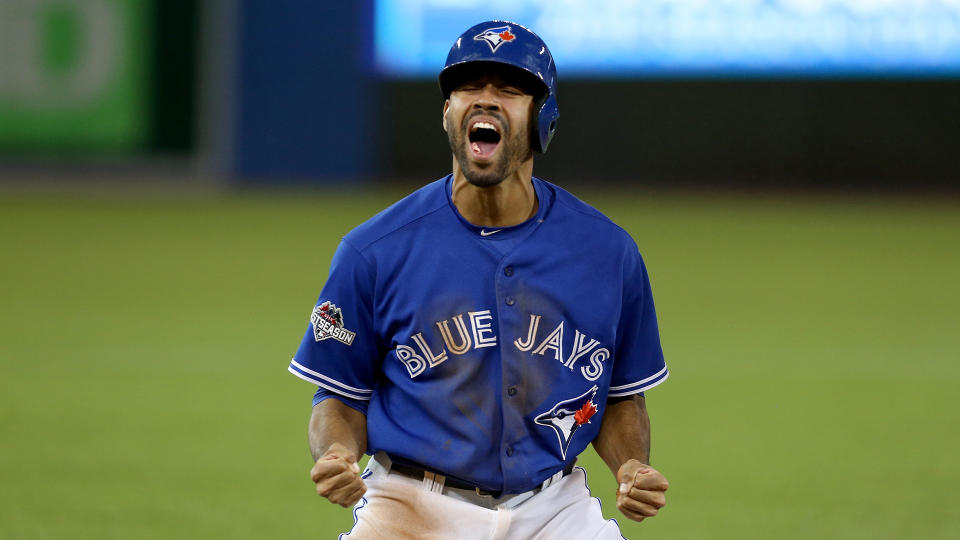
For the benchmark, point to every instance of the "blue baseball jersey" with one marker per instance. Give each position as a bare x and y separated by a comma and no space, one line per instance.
486,354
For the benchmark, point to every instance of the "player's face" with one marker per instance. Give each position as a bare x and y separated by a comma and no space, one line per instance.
487,120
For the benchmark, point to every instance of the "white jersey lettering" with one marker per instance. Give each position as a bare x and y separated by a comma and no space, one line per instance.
595,369
414,362
483,335
553,341
531,334
465,341
433,359
419,356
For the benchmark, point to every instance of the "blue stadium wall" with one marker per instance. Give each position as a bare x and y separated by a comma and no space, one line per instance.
309,109
304,92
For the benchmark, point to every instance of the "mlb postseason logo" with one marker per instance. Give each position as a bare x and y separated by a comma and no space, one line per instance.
327,321
495,37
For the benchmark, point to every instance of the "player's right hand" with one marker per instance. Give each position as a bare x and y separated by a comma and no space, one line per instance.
337,476
642,490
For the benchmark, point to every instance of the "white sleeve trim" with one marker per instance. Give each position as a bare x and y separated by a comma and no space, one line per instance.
639,386
323,381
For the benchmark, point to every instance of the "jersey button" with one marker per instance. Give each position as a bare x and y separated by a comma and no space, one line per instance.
510,301
508,271
509,451
512,391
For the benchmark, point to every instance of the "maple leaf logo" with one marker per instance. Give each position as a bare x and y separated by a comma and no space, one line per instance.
583,415
506,35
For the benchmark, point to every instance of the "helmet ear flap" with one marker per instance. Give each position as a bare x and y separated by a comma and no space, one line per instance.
547,118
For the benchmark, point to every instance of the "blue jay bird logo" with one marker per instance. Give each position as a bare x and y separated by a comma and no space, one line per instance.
566,417
495,37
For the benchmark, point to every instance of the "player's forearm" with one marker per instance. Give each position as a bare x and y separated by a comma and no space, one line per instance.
332,423
624,433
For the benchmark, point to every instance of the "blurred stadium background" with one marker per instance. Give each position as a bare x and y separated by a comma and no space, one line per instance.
175,175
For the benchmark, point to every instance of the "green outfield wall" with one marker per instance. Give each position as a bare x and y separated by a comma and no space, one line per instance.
74,75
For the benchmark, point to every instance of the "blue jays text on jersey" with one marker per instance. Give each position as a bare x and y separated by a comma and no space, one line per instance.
421,356
485,354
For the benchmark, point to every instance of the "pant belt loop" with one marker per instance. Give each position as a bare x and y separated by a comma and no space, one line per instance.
552,480
382,460
517,500
433,482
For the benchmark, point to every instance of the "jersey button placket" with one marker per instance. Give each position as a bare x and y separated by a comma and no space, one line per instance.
508,314
509,300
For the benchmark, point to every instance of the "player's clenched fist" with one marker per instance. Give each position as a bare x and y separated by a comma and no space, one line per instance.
642,490
337,476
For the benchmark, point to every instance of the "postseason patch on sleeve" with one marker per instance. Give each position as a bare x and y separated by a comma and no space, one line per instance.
327,322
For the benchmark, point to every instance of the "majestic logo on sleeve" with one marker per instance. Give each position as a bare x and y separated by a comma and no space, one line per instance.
566,417
327,321
495,37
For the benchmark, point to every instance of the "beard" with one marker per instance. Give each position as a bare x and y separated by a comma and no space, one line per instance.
514,148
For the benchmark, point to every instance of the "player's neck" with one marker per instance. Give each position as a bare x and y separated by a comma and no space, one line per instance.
506,204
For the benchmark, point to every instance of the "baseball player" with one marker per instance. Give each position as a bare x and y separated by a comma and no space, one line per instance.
477,335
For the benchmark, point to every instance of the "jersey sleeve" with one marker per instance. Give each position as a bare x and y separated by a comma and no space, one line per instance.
339,349
356,404
638,361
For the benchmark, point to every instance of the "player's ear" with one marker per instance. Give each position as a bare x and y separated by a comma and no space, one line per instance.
446,107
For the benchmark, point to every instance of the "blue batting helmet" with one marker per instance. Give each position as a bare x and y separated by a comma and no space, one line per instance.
509,43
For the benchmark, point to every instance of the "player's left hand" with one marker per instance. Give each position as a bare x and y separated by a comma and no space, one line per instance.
642,490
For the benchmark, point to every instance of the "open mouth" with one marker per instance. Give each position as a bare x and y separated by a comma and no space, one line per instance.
484,139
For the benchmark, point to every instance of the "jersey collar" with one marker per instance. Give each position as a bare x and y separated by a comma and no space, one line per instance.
544,202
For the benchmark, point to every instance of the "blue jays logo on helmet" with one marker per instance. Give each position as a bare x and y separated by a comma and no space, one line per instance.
495,37
566,417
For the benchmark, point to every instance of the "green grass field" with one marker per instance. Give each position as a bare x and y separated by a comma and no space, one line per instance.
813,343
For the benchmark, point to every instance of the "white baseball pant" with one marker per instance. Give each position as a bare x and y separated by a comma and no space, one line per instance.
398,507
